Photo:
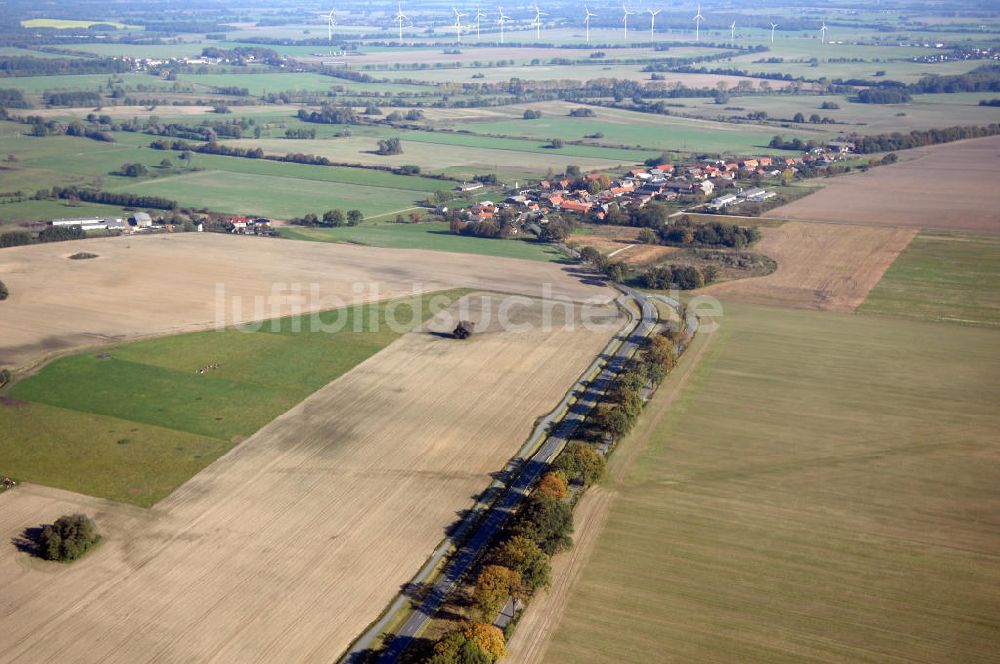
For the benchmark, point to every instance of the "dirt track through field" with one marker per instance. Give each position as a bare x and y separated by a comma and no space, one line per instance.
284,549
820,266
950,186
164,284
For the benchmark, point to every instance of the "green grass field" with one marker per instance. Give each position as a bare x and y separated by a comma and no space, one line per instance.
654,132
427,235
259,83
943,277
36,84
454,154
135,425
272,196
823,490
46,210
224,184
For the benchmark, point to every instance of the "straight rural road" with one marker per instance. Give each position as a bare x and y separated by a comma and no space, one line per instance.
531,470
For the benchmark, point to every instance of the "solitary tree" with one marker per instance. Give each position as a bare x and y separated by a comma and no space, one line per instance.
68,538
3,291
354,217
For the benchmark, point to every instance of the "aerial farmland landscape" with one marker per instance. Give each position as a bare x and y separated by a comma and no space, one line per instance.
443,333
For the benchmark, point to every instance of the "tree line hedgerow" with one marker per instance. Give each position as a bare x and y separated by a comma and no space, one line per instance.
106,197
518,563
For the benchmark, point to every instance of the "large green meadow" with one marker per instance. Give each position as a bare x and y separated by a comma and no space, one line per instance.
222,184
427,235
132,422
820,491
654,132
941,276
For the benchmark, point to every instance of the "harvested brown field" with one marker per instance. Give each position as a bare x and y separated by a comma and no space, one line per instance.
162,284
621,243
820,266
950,186
285,548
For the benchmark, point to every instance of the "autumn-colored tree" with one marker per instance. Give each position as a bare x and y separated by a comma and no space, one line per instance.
488,638
553,485
581,460
455,648
661,351
494,586
522,555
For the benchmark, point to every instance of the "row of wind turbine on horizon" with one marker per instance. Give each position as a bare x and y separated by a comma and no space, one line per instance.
402,20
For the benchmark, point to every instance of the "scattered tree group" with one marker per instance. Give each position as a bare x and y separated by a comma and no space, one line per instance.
390,146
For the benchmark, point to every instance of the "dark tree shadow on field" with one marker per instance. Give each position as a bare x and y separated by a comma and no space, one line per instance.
455,527
28,541
420,649
413,589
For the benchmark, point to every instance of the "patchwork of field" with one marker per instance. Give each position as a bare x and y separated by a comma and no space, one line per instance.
629,128
261,83
820,266
951,277
134,421
284,549
583,72
924,112
824,490
949,186
223,184
432,56
455,154
155,285
37,84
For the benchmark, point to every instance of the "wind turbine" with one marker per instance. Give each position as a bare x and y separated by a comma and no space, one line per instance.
732,32
823,32
479,15
625,19
652,21
586,21
500,21
458,24
330,22
400,17
538,22
698,18
773,26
